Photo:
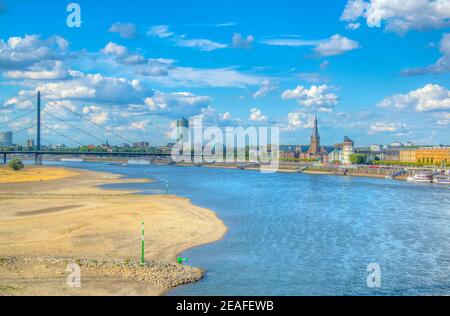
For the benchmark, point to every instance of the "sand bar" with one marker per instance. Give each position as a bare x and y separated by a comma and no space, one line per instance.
52,216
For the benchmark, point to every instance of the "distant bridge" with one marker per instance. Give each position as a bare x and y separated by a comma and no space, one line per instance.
78,153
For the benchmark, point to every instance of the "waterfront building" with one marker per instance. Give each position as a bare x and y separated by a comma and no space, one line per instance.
347,150
392,154
335,156
6,139
433,155
182,130
396,144
407,155
315,151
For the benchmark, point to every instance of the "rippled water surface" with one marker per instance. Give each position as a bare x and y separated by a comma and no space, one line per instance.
298,234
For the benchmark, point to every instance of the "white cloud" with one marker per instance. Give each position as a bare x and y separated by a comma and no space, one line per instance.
444,119
95,88
18,53
161,31
267,85
238,41
352,26
298,120
335,45
314,96
293,42
44,70
400,16
385,127
96,114
125,30
197,77
201,44
431,97
324,65
441,66
176,103
19,102
140,125
257,116
122,54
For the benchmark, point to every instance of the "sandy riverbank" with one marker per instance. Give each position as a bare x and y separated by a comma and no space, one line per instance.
53,216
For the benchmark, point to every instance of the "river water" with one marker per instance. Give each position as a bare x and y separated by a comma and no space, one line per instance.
298,234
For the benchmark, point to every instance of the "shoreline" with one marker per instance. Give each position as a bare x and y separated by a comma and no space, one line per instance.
71,224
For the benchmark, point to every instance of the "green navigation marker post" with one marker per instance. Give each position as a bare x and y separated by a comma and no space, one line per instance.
180,260
142,254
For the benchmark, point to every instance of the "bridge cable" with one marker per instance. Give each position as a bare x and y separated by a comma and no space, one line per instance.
60,134
73,126
90,121
16,118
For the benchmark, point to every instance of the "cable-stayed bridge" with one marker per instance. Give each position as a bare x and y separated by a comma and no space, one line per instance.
37,122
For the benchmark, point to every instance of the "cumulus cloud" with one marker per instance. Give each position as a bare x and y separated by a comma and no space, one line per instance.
161,31
385,127
257,116
201,44
19,102
298,120
177,103
122,54
314,96
444,120
441,66
44,70
399,16
95,88
97,114
238,41
18,53
335,45
125,30
267,86
431,97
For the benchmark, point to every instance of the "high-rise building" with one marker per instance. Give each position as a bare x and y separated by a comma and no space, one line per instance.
141,145
30,143
182,130
6,139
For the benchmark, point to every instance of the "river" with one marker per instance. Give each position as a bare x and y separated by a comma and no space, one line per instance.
299,234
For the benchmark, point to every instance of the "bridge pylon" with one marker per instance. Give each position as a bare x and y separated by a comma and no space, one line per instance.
38,156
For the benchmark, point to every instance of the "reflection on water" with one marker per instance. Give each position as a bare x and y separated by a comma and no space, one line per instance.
297,234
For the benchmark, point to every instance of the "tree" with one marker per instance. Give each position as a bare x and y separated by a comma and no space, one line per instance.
358,159
16,164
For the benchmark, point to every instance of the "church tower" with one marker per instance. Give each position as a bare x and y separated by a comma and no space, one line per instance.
314,148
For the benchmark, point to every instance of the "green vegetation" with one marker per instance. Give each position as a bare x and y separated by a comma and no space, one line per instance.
358,159
16,164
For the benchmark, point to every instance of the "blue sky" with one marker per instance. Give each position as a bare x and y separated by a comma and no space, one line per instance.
375,70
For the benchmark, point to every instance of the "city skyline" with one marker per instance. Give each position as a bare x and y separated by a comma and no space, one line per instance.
376,78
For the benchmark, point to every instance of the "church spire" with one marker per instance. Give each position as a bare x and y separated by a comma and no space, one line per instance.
315,133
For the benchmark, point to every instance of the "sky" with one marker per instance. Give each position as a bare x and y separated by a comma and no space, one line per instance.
374,70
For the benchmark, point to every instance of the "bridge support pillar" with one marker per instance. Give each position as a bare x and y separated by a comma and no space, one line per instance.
4,159
38,159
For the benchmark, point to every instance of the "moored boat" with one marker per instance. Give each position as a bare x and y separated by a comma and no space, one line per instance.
424,177
442,179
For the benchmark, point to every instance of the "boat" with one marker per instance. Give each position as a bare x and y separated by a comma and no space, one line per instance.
442,179
138,162
424,177
71,160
